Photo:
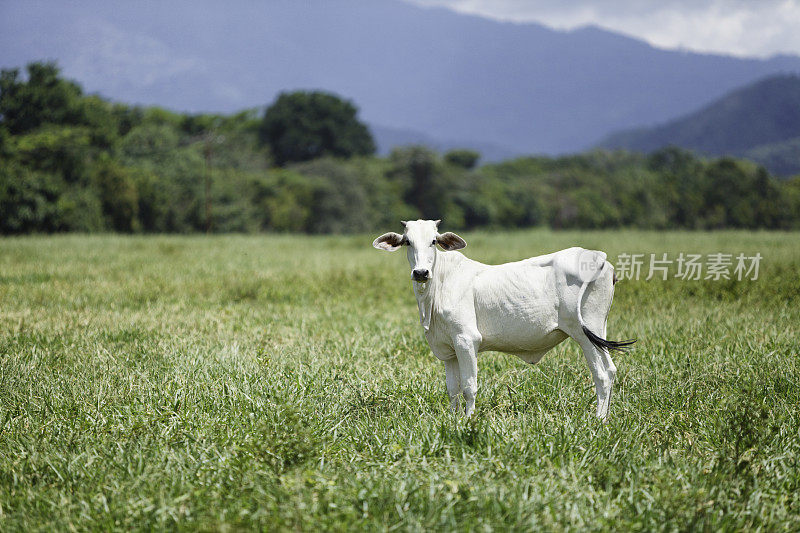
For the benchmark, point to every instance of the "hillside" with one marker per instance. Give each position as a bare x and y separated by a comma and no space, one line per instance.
782,158
760,121
523,88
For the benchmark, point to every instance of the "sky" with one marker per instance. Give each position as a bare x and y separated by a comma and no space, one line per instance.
746,28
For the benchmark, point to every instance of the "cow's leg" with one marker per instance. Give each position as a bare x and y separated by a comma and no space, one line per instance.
603,379
596,305
611,368
467,355
453,379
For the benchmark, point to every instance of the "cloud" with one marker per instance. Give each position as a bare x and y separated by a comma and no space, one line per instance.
737,27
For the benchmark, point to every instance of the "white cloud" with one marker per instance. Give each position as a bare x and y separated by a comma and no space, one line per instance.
737,27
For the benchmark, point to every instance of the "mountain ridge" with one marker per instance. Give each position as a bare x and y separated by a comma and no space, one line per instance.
525,88
760,121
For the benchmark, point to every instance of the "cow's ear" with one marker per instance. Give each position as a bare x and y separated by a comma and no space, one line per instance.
389,241
450,241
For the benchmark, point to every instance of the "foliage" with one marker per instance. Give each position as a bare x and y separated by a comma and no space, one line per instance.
70,162
419,173
280,382
118,195
43,98
463,158
28,199
302,125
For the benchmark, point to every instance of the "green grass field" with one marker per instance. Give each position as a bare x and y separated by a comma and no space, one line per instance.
282,382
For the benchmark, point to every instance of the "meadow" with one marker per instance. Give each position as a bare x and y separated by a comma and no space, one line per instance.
281,382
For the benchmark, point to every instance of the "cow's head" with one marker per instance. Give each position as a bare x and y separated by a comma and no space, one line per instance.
421,238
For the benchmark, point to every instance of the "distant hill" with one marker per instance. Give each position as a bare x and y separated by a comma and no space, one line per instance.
760,121
524,88
782,159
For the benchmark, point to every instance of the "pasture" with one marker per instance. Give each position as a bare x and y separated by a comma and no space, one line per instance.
282,382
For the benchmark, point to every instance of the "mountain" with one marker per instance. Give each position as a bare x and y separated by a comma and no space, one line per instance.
521,87
782,158
760,121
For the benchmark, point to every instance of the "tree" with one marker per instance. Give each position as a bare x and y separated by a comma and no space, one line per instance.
27,199
417,168
463,158
43,98
118,195
301,126
429,186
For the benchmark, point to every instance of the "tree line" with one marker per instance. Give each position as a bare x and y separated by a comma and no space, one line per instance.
76,162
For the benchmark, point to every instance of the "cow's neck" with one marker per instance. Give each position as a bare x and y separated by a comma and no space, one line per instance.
427,293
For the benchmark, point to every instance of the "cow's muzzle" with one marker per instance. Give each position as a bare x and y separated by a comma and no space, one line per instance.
421,275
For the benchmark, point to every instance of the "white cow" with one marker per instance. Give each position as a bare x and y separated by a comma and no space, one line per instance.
523,308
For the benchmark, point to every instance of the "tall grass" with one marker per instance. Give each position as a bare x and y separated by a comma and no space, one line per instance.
281,382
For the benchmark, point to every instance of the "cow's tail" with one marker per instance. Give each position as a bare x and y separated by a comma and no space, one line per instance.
601,343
